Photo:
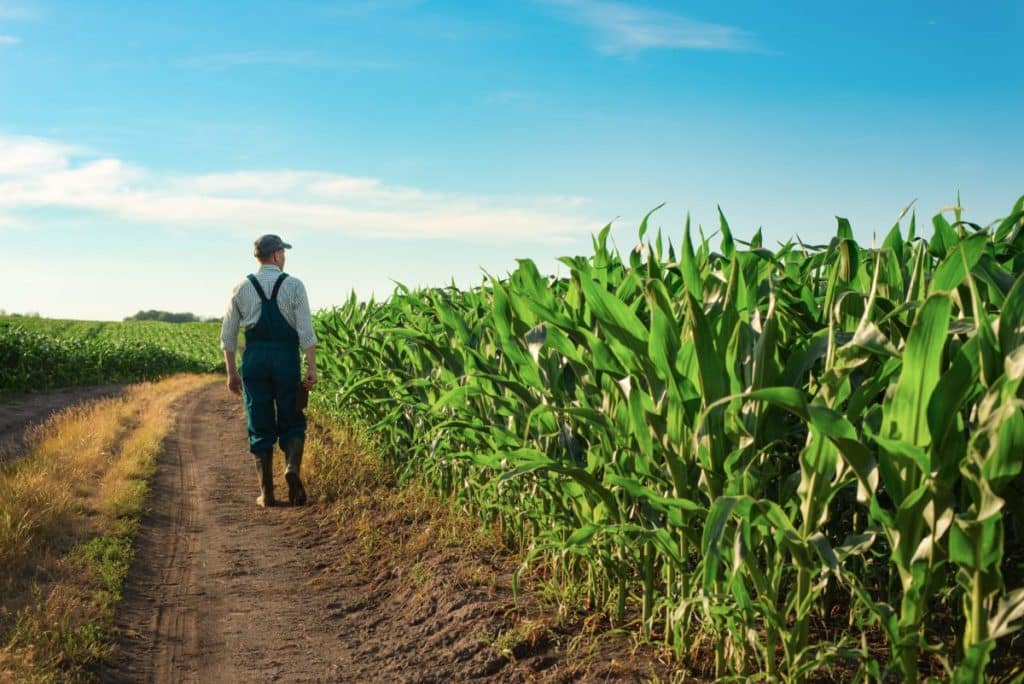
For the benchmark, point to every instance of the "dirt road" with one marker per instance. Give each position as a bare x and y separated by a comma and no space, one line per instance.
211,596
222,591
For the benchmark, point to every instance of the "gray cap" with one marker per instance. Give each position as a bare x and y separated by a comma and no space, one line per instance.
268,244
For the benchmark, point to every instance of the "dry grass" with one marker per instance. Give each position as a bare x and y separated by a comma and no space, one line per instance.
391,522
68,511
414,544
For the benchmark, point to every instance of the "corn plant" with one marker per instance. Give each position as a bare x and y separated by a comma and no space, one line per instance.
42,353
790,459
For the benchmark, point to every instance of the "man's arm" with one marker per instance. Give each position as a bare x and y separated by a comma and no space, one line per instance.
229,343
234,379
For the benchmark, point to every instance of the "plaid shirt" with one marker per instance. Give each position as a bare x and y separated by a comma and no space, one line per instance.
244,307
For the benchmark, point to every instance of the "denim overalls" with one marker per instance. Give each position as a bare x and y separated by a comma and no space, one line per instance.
270,375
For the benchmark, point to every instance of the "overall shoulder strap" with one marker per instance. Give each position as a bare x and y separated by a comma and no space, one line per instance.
259,290
277,285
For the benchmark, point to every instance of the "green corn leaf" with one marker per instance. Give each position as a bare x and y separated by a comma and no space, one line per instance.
664,336
712,370
728,244
944,238
641,431
961,259
501,311
583,535
906,413
688,265
957,385
1011,319
1012,221
845,230
601,355
643,224
615,316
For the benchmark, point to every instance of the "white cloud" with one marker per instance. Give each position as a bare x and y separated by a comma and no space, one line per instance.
625,28
27,156
266,183
43,174
9,40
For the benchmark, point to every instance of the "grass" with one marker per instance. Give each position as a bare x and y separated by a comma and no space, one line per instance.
389,521
407,538
523,637
70,510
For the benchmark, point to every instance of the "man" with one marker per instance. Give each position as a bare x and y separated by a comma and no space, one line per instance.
274,310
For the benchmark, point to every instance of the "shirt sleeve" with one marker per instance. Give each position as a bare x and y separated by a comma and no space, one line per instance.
229,327
303,318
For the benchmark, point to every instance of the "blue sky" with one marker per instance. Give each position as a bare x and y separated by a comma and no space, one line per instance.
143,146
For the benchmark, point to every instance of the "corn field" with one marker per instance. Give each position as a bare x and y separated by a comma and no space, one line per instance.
800,463
42,353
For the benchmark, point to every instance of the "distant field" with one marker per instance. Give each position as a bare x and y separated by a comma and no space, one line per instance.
43,353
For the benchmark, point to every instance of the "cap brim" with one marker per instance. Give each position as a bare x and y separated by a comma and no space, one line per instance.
286,245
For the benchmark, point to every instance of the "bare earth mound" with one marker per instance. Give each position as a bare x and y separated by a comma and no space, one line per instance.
222,591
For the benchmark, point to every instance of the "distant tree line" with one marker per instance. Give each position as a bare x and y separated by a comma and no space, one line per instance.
168,317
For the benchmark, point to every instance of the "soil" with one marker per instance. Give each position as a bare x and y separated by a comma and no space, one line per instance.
20,412
223,591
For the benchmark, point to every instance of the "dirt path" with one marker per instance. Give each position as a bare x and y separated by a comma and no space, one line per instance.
222,591
20,412
219,589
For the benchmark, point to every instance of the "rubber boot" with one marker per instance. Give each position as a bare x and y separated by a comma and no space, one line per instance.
293,455
265,475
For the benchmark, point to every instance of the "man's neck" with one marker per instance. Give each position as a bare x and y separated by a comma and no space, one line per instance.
269,266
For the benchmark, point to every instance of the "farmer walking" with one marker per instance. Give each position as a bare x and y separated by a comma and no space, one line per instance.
273,309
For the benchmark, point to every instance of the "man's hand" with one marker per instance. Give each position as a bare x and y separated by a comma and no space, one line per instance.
235,383
234,379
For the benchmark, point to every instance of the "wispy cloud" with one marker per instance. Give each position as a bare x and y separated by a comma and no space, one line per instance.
624,28
45,174
9,40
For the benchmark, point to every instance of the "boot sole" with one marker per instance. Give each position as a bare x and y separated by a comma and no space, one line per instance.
296,492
